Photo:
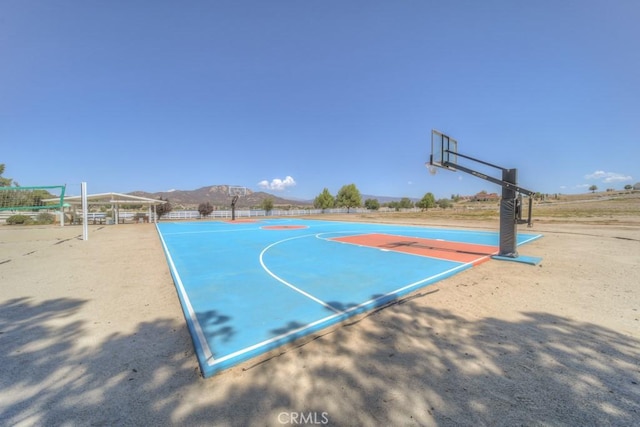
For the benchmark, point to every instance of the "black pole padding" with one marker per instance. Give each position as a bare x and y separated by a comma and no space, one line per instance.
508,220
233,207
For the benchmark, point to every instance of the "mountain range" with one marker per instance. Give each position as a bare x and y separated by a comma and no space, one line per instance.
218,195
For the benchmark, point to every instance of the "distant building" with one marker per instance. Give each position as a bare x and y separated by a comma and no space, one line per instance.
483,196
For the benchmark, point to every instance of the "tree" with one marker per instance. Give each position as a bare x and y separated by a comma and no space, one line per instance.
394,205
349,197
628,187
405,203
372,204
593,188
427,201
444,203
163,208
205,209
267,204
5,182
324,200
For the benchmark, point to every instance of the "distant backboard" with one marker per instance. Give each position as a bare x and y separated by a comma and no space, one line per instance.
444,150
237,191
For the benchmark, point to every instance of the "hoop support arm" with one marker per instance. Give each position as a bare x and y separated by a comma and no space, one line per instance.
475,160
500,182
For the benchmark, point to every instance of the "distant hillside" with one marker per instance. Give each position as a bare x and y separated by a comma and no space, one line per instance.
217,195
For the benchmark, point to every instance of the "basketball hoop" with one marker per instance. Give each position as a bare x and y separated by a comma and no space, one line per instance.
235,192
432,169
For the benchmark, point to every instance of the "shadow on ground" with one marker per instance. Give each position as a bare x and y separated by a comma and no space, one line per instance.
53,374
406,364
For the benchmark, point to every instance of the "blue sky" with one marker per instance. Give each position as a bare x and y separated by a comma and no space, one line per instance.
294,96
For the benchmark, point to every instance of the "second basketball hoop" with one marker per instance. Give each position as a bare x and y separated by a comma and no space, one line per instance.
235,192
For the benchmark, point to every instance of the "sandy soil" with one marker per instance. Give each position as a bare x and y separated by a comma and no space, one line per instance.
91,333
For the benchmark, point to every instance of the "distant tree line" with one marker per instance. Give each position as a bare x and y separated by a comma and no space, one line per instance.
349,197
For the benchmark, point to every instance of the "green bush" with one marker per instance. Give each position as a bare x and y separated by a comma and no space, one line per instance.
19,219
45,218
444,203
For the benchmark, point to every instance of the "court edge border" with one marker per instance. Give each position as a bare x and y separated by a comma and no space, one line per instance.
203,350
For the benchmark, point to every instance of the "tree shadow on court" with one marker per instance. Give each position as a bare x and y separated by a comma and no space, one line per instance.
214,323
404,364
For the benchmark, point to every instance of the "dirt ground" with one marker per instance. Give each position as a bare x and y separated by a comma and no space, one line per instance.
92,333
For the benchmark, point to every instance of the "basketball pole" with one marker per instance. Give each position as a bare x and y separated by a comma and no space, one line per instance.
233,207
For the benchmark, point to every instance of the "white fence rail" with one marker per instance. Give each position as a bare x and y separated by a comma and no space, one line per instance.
253,213
130,216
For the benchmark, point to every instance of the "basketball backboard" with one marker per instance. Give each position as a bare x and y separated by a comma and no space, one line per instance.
237,191
444,150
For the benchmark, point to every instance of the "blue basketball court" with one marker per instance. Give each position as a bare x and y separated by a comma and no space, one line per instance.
247,287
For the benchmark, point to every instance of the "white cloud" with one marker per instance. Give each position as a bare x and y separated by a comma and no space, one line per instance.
608,177
277,184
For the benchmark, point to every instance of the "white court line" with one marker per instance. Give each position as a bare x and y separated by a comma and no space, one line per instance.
208,354
274,339
414,284
535,237
284,282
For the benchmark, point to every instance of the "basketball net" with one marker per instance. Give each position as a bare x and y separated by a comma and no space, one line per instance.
432,169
